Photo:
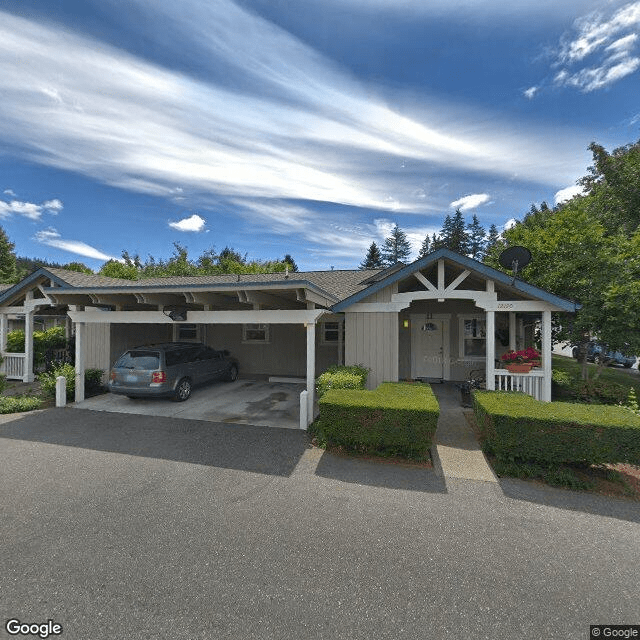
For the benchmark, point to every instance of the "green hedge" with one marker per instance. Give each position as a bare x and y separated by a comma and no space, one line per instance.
92,380
15,404
342,377
394,419
516,427
53,338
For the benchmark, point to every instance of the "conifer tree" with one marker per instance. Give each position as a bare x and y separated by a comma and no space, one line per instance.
477,238
373,259
492,239
8,271
424,248
396,247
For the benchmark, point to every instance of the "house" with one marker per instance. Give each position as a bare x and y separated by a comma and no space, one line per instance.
429,319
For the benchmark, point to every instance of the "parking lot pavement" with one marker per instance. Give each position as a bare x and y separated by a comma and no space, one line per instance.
126,526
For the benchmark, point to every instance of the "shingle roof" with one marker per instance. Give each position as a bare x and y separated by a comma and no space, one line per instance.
77,279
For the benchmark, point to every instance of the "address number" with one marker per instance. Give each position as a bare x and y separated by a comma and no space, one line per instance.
505,305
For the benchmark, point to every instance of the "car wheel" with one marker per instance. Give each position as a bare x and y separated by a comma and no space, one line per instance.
628,365
183,390
232,374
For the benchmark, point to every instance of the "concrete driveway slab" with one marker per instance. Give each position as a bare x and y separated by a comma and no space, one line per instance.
256,402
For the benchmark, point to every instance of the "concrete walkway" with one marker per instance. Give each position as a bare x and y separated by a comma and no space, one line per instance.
456,452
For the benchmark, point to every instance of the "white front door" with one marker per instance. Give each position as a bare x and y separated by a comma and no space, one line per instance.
429,347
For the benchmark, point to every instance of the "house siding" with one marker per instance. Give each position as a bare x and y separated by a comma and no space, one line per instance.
126,336
372,341
97,349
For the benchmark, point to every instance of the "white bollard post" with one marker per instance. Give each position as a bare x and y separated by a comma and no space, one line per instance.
303,410
61,391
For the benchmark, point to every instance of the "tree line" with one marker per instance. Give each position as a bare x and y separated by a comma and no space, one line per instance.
470,239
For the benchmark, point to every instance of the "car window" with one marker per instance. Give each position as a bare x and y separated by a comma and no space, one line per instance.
207,353
145,360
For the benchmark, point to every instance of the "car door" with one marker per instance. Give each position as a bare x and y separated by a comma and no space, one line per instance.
208,364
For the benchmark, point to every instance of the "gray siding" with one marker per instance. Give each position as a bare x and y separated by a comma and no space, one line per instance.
97,354
126,336
372,340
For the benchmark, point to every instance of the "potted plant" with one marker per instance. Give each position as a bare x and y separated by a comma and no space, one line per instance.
521,361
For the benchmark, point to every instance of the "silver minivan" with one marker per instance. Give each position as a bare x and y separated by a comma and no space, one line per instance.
170,369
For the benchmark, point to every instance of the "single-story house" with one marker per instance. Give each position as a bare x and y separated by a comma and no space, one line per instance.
439,317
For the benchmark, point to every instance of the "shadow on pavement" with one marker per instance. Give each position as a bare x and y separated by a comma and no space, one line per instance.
379,474
618,508
243,447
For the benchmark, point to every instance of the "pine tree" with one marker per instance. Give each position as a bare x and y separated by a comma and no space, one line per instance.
458,239
424,249
477,238
437,242
291,262
396,247
8,271
446,232
373,259
492,239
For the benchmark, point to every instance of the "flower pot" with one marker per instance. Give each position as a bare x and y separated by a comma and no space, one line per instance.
535,363
518,367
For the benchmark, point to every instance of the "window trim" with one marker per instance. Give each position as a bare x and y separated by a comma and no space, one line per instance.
178,338
253,325
461,352
323,332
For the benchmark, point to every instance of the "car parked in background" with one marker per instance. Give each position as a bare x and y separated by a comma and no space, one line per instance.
170,369
598,353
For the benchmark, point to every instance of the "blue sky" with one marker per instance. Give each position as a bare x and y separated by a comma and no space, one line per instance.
306,127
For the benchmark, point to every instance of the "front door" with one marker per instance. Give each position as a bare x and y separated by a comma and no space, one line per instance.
429,347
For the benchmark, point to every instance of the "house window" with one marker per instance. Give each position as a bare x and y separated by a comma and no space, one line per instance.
255,333
186,332
331,332
473,337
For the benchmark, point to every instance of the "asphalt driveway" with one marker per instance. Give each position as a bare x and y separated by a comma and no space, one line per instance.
257,402
125,526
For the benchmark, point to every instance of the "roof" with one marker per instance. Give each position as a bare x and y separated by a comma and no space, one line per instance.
467,263
338,284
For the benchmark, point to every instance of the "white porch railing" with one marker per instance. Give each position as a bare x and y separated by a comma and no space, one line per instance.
529,383
13,365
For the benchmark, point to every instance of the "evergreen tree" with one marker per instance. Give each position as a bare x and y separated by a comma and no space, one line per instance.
396,247
445,233
373,259
8,271
424,248
477,238
80,267
492,239
291,262
437,242
458,240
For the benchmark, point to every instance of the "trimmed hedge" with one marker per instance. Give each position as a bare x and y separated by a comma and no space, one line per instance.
341,377
516,427
92,381
394,419
15,404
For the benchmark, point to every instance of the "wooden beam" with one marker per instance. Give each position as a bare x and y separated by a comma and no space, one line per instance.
420,278
458,280
268,299
441,275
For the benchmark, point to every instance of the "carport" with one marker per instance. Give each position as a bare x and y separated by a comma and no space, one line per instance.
126,310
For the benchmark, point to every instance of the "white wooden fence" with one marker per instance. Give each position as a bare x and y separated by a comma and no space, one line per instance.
13,365
529,383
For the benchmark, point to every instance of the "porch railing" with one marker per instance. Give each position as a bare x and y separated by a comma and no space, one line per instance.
529,383
13,365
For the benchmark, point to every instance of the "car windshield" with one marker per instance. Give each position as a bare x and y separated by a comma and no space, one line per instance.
147,360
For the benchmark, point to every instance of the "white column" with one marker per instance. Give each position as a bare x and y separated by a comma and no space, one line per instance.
340,341
4,329
27,374
491,350
512,331
311,369
546,356
80,339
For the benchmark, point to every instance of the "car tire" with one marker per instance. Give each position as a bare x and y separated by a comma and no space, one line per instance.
183,390
232,374
628,365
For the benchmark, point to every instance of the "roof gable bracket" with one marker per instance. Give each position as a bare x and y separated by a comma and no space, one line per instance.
457,281
420,278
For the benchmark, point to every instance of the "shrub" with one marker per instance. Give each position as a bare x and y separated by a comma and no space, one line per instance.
48,380
599,392
3,381
43,341
516,427
394,419
14,404
342,377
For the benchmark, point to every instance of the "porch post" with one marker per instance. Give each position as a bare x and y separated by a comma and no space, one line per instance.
546,356
311,369
491,350
340,341
4,326
512,331
80,337
27,375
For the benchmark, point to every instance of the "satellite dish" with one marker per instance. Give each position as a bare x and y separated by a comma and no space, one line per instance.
515,258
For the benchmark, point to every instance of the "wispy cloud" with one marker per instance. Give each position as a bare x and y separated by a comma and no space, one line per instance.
530,92
52,238
311,132
9,192
471,201
193,223
608,43
29,210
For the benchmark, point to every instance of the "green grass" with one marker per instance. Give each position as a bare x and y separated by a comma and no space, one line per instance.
615,375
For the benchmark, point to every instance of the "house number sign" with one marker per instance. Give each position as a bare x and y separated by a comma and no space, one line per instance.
505,305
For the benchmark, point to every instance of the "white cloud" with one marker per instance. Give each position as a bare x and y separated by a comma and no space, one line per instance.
530,92
29,210
511,222
52,238
567,193
129,123
608,42
9,192
471,201
193,223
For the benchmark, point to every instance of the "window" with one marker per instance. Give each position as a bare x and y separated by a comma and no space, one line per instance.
331,332
186,332
473,337
255,333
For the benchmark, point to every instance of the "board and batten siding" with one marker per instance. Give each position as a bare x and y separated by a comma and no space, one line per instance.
372,340
97,347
